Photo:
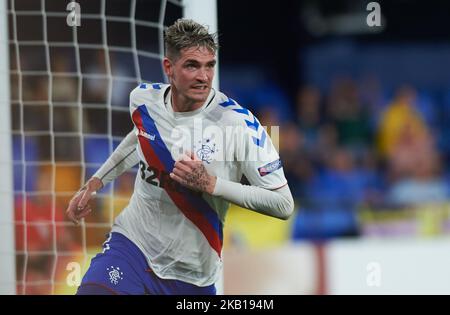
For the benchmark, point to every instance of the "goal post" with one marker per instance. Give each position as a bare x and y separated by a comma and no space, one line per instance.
204,12
7,242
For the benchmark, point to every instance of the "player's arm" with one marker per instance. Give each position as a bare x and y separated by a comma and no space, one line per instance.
123,158
268,192
276,203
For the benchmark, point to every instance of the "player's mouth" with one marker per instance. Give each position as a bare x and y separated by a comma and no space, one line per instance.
200,87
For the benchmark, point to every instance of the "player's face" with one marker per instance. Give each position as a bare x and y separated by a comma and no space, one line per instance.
192,73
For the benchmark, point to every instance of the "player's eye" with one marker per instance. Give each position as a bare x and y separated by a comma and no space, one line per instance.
190,66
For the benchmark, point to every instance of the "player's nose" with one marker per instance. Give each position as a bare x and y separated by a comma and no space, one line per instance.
202,75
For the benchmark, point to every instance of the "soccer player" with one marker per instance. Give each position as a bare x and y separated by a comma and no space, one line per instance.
193,145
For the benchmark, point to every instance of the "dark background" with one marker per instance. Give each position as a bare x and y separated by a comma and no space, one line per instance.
272,35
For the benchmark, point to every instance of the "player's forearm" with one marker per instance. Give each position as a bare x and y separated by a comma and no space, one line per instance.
123,158
275,203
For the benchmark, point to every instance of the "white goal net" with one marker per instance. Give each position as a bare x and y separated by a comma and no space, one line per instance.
71,68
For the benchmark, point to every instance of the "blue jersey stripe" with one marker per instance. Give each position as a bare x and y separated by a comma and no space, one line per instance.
166,159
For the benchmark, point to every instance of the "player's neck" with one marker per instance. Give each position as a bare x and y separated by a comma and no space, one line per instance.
182,104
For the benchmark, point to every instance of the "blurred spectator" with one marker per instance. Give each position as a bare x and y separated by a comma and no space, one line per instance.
339,184
268,115
297,164
95,90
418,175
326,144
112,206
373,97
43,221
408,151
333,194
40,233
348,115
309,116
66,118
401,114
65,82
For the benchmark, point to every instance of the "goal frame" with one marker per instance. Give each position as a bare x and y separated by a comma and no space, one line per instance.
200,11
7,239
204,12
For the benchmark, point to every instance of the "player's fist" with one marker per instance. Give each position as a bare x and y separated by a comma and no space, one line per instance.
79,205
190,172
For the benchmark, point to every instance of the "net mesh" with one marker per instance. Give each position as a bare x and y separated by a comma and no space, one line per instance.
69,108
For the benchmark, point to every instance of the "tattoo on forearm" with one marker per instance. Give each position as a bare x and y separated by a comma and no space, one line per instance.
198,178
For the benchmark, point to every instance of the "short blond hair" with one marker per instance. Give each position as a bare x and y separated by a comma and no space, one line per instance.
186,33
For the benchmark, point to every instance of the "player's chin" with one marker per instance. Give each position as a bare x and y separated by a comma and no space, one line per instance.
199,95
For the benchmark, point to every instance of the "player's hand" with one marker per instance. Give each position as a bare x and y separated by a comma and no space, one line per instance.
79,205
190,172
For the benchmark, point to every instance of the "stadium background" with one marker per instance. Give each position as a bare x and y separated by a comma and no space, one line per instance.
364,140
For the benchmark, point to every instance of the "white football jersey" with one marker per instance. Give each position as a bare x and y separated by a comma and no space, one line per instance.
179,230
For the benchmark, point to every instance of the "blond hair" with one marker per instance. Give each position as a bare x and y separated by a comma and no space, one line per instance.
186,33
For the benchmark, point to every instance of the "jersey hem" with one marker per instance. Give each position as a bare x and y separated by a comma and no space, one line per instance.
214,279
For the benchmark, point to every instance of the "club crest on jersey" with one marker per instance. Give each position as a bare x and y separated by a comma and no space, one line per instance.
206,152
146,135
269,168
115,275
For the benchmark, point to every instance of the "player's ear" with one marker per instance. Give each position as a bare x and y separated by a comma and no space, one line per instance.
167,65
